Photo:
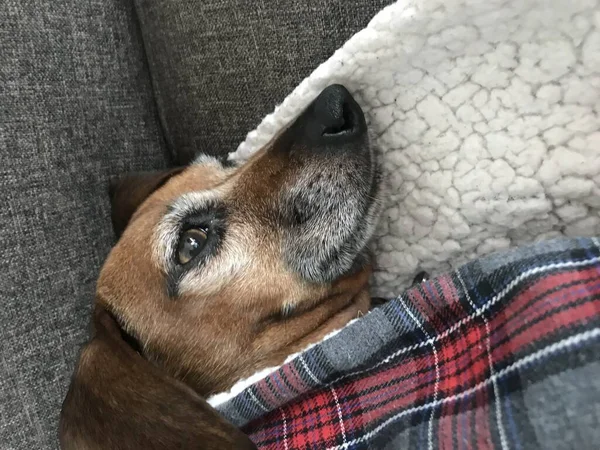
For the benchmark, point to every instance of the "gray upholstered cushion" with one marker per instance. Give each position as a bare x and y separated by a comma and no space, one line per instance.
75,108
218,66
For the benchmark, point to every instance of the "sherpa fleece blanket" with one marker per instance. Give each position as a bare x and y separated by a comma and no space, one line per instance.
487,116
502,353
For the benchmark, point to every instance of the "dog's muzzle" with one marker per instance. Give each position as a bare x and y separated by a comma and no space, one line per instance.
333,203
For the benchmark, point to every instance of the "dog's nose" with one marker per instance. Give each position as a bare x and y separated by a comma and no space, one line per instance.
335,116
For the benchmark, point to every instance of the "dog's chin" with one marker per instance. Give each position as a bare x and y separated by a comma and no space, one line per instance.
362,257
357,253
354,254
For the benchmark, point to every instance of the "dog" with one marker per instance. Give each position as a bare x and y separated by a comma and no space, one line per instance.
220,271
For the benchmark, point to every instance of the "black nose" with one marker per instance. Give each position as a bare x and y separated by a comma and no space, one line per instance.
335,116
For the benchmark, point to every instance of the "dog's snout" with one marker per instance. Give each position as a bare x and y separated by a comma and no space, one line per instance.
331,202
335,116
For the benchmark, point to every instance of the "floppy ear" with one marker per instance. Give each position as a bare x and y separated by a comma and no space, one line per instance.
119,401
128,193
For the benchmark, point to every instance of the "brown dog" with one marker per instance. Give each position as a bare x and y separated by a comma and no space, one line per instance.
220,272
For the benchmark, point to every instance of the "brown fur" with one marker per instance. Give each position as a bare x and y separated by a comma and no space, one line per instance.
120,401
226,322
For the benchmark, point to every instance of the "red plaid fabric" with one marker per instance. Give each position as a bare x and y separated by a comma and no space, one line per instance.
476,363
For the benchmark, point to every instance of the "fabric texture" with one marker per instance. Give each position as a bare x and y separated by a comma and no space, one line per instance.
76,109
218,66
487,115
501,353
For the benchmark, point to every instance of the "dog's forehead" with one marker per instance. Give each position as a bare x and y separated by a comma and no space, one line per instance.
193,182
251,181
195,178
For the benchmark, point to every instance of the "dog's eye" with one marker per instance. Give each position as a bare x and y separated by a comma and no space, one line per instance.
190,245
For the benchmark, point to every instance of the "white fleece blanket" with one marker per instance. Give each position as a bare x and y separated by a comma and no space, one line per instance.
486,113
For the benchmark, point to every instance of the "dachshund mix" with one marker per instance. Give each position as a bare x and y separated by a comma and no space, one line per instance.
220,272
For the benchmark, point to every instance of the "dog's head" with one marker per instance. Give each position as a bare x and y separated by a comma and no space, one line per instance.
221,271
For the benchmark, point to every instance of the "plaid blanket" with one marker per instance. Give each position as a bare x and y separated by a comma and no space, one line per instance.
503,353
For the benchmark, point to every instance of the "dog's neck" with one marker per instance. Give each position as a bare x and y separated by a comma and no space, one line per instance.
279,339
292,335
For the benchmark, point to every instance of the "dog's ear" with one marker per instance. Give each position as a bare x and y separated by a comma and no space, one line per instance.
119,401
128,193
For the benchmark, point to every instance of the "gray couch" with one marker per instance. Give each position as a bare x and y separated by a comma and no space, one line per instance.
90,89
